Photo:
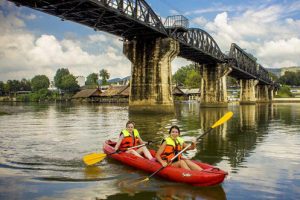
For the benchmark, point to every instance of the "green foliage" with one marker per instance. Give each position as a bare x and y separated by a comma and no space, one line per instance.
40,82
13,85
273,76
40,95
232,82
284,92
69,83
65,81
188,75
193,79
104,75
2,88
290,78
60,73
92,79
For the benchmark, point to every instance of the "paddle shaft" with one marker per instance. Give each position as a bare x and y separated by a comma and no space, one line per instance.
118,151
203,134
162,167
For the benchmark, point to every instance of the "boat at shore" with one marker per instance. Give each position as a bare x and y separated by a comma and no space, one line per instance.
209,176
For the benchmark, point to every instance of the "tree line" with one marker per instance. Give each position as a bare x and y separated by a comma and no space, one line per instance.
37,87
189,77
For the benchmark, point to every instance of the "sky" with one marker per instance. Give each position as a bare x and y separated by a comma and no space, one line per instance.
33,43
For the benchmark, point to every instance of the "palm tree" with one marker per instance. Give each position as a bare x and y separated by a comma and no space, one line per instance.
104,75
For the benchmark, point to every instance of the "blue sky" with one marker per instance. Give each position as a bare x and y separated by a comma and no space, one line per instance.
33,43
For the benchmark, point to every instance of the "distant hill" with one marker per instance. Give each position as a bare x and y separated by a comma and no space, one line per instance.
276,71
280,71
117,80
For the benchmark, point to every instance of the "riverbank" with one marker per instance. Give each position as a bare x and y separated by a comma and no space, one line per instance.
286,100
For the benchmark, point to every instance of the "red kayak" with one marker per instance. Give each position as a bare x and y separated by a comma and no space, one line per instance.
207,177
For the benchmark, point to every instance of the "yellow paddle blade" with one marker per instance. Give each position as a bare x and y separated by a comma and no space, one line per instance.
226,117
93,158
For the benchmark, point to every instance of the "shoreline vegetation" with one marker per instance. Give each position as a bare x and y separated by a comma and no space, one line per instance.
116,100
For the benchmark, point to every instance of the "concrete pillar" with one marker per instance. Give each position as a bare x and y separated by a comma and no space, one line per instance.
271,93
151,75
262,93
247,92
213,85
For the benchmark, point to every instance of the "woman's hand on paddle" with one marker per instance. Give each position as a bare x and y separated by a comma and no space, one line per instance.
164,163
194,143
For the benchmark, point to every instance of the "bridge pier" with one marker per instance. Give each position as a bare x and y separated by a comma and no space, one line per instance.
271,93
213,85
150,83
262,93
247,93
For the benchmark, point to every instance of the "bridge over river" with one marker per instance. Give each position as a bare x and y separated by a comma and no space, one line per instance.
151,45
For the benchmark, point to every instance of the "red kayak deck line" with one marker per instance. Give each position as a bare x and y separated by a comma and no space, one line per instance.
208,177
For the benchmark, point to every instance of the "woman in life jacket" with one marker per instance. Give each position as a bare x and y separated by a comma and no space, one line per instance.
130,137
172,145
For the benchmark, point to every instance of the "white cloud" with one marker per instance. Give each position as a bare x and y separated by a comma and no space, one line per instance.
287,50
265,32
97,38
24,55
201,21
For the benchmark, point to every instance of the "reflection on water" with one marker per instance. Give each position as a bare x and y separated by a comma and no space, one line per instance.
42,148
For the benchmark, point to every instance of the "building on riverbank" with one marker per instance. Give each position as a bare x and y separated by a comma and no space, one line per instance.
88,95
186,94
113,94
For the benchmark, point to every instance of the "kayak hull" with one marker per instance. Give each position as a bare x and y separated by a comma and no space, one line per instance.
208,177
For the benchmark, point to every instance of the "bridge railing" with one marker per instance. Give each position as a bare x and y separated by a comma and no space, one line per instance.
138,9
176,22
202,41
247,62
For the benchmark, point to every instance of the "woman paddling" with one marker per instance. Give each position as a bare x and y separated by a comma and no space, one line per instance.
130,137
170,146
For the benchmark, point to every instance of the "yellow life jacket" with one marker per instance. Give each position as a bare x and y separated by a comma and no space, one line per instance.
128,140
172,148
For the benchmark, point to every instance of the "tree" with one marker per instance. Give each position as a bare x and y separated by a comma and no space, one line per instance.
92,79
13,85
69,83
60,73
182,73
284,92
105,76
1,88
193,79
25,85
40,82
232,82
273,76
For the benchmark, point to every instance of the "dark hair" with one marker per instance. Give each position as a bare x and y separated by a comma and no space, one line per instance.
176,127
130,122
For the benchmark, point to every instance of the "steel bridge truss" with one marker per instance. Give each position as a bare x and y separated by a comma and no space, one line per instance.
125,18
246,67
198,46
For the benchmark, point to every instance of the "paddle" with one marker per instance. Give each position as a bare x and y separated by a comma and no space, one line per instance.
221,121
93,158
162,167
225,118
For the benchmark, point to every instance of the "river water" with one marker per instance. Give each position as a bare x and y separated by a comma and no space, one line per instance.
42,148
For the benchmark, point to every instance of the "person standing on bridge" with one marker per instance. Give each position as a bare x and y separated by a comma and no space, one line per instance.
130,137
170,147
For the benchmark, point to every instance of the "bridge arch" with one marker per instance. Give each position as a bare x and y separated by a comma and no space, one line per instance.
198,39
